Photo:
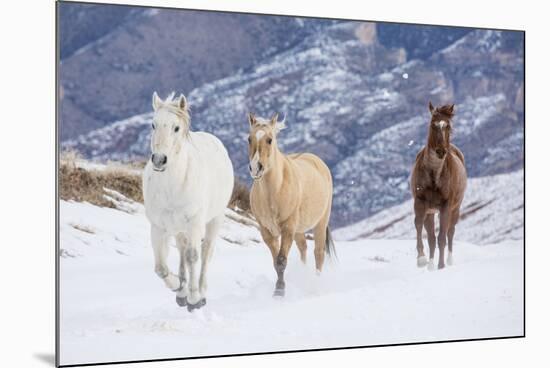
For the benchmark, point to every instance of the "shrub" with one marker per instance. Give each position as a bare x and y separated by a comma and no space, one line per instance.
240,197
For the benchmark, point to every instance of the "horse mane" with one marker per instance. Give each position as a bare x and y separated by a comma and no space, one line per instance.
445,111
279,125
171,104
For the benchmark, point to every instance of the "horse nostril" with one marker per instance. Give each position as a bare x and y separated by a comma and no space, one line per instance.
158,159
260,166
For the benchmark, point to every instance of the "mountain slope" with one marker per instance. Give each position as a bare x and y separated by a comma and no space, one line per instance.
126,56
83,24
361,107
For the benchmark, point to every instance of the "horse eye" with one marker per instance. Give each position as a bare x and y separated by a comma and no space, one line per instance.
177,129
249,140
269,140
153,126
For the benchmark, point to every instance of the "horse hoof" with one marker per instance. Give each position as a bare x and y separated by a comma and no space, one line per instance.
279,293
182,301
440,266
450,259
421,261
191,307
431,266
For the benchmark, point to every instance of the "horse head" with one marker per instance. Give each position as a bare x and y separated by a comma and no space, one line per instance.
170,127
262,143
439,136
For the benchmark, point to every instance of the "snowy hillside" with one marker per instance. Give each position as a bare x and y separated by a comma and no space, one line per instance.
492,212
114,307
113,56
359,105
119,53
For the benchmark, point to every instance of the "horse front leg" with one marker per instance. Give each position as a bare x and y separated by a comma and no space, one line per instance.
273,244
192,254
159,241
419,217
442,236
287,237
429,225
450,235
181,296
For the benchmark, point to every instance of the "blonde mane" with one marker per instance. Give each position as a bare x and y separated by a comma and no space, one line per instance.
279,125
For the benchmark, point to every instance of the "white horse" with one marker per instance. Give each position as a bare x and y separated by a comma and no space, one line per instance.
187,185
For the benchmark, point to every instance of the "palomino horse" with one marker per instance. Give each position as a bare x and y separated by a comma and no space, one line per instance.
187,185
438,183
290,195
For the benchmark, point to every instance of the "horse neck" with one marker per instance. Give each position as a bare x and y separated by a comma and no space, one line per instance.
273,179
182,160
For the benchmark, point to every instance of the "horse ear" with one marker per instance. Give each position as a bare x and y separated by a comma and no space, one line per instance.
182,102
156,102
251,118
274,118
431,107
452,109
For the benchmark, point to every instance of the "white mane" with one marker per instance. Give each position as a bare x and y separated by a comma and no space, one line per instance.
170,98
171,103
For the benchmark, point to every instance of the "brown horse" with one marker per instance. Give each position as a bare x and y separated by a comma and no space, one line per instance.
438,183
290,195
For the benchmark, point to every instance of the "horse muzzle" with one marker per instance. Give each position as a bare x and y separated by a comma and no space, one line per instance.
256,171
159,161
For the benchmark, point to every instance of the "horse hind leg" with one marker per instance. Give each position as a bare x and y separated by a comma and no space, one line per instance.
301,242
207,249
320,238
450,236
430,229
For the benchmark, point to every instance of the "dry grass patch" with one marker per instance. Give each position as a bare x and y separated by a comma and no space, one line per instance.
81,185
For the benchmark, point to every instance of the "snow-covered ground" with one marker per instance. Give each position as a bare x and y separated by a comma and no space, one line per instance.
114,307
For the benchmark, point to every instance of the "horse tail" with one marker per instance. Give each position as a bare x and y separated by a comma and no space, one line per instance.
329,245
